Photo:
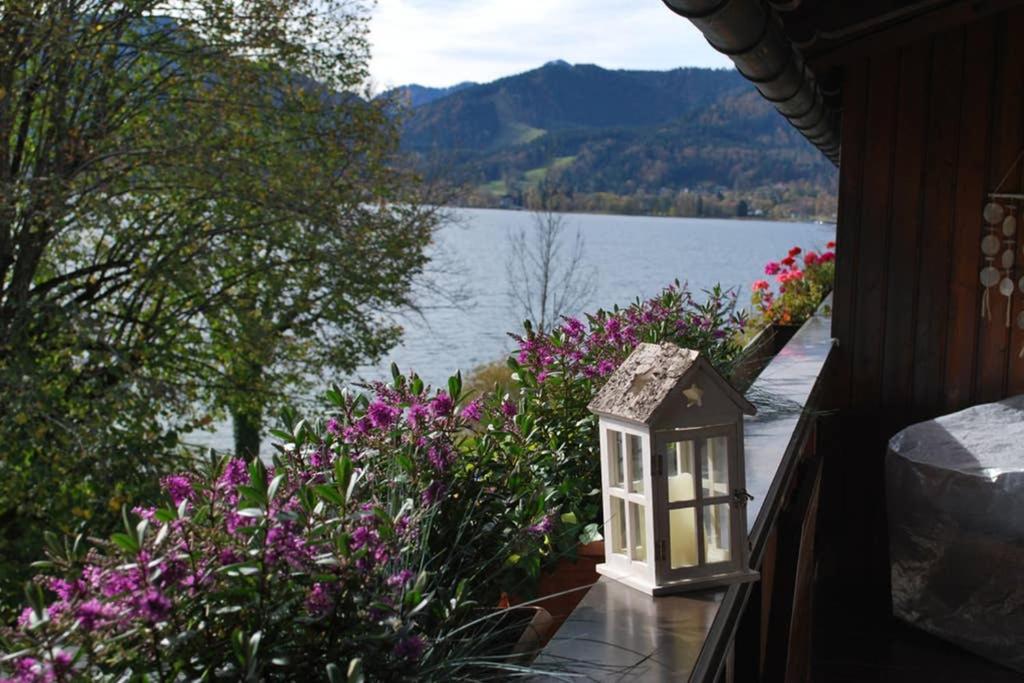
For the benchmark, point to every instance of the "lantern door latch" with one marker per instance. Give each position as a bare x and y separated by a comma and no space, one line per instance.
741,496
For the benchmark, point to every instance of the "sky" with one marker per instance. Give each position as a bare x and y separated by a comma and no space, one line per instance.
443,42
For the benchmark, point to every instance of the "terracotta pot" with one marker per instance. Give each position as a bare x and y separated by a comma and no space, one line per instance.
561,589
518,632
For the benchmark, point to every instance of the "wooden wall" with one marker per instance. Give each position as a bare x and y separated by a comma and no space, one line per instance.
928,130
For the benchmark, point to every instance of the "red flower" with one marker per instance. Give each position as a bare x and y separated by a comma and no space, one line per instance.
795,251
760,285
830,245
827,257
810,258
788,261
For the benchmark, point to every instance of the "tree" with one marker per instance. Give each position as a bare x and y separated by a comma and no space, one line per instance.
546,282
198,204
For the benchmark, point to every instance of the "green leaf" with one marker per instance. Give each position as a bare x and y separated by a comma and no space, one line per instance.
330,494
355,671
334,674
455,386
166,515
568,518
126,542
274,485
343,471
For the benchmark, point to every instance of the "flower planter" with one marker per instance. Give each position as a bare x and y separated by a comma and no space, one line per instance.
561,589
515,633
759,352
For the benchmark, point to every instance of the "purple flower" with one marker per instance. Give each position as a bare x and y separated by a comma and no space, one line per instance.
148,514
382,416
442,404
25,618
417,416
440,456
320,600
93,614
62,664
544,526
508,408
27,670
178,487
399,579
410,648
321,457
66,590
606,367
333,427
472,411
364,537
153,606
228,556
612,327
541,376
572,328
433,493
284,544
235,473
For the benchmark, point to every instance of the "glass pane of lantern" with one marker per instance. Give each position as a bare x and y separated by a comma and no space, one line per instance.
616,464
717,528
682,537
636,462
715,474
618,524
638,527
679,468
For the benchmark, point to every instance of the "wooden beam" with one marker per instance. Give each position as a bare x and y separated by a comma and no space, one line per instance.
883,35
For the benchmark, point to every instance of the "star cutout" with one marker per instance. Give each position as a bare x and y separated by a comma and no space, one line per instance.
640,381
694,396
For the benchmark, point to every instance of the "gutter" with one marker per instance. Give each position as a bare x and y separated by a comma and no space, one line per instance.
751,35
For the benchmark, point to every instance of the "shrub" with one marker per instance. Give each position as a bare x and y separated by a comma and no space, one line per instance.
367,544
375,544
799,290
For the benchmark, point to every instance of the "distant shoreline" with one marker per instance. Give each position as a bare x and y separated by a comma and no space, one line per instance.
823,220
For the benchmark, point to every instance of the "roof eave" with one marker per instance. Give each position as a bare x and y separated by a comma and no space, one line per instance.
751,35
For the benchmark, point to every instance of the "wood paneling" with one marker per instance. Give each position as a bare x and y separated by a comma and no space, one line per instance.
928,130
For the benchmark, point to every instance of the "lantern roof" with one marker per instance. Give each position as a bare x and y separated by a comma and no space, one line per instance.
647,378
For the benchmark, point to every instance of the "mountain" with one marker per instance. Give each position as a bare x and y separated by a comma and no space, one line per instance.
680,141
417,95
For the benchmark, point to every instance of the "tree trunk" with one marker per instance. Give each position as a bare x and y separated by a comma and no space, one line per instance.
247,426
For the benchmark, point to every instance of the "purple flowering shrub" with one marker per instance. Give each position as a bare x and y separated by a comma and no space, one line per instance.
559,372
376,544
366,548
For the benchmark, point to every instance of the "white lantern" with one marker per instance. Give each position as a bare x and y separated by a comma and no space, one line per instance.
672,473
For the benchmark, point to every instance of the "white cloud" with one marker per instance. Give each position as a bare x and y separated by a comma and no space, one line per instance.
441,42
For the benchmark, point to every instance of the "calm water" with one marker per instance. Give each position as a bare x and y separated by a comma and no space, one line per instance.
628,256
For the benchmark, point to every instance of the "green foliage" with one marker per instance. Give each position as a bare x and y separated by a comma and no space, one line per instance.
376,544
197,206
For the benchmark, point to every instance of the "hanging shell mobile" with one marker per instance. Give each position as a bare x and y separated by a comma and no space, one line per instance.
993,213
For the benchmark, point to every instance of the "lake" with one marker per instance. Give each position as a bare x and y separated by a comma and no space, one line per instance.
628,256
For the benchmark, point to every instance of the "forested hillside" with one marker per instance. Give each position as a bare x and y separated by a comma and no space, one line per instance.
681,142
